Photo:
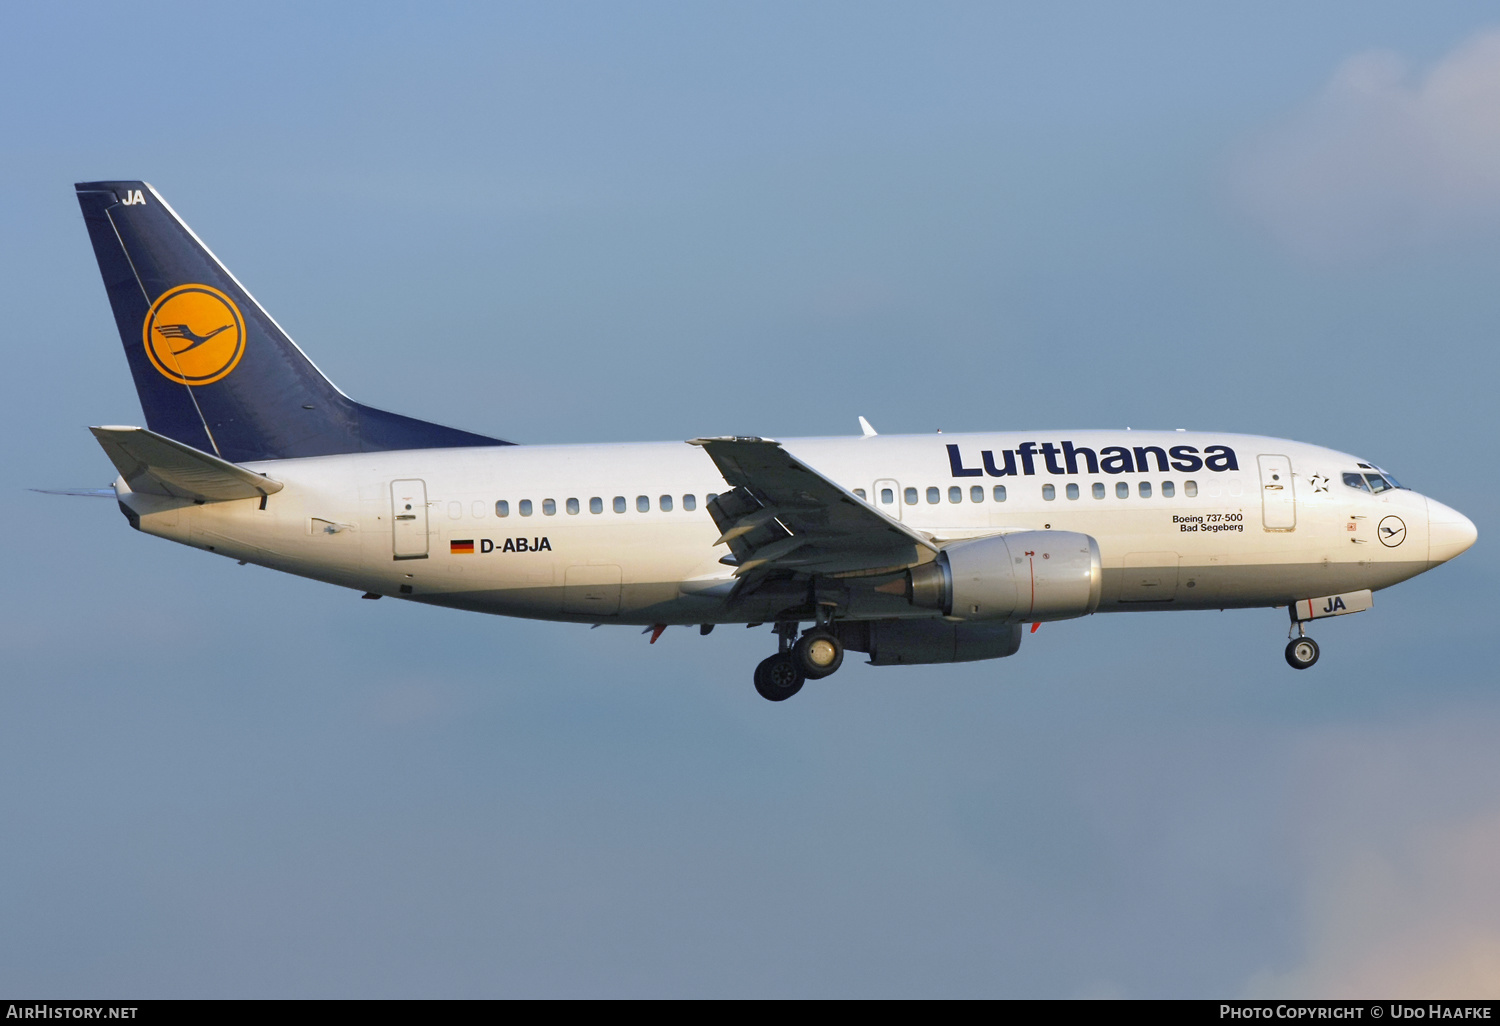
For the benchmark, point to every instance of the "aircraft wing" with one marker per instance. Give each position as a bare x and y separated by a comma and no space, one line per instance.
783,515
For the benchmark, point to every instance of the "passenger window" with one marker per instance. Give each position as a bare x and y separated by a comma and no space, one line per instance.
887,496
619,504
689,502
572,507
710,497
502,508
933,495
1122,490
478,509
643,504
455,510
1048,492
596,505
999,493
1072,491
549,507
665,503
911,496
1190,489
976,494
860,492
525,507
1168,489
1145,489
955,494
1098,489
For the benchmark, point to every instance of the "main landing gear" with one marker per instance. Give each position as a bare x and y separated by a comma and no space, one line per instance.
816,654
1301,651
777,678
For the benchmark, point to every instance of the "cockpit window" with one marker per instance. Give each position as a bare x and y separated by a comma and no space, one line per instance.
1376,482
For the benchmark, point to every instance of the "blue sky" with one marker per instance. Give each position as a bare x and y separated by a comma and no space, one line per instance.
601,222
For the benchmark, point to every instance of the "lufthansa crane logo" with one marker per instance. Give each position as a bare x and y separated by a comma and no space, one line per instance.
1392,531
194,334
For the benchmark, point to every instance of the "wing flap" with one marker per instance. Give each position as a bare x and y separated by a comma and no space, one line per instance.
153,463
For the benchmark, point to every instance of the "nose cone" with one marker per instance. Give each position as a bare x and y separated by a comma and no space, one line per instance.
1449,532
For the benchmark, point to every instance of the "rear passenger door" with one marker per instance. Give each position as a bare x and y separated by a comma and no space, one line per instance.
409,519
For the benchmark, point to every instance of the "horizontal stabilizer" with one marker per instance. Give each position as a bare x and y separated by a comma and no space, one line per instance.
153,463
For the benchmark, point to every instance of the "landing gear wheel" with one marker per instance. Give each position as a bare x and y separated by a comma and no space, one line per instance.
779,677
1301,653
818,654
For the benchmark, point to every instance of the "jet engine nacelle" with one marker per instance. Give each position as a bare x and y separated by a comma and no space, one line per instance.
912,642
1028,577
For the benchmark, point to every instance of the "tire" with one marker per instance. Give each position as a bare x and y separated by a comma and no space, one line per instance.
818,653
1301,653
779,677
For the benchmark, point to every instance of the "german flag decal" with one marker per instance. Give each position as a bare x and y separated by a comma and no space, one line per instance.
461,548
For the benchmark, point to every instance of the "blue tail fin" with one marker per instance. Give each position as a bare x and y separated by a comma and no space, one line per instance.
212,368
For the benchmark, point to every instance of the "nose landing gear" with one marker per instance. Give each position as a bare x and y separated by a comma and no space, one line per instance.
817,654
1301,651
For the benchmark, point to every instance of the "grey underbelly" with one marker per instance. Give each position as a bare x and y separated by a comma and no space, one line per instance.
1230,587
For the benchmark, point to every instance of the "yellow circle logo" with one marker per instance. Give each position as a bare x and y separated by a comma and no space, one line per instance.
194,334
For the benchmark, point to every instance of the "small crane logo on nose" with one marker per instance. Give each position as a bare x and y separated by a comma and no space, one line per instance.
1392,532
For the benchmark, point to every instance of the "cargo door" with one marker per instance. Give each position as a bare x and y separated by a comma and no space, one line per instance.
1278,503
409,519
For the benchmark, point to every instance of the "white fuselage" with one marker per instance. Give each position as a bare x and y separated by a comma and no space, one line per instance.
1201,533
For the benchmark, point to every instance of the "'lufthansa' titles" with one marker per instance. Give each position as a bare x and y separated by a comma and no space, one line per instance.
1029,458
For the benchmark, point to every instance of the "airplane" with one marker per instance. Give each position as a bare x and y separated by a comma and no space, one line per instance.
913,549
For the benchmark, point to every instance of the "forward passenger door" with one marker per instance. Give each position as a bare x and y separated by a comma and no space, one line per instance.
1278,502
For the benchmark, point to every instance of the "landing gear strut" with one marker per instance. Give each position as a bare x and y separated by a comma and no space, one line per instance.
1301,651
816,654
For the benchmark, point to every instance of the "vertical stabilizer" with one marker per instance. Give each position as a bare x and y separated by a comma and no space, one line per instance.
212,369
